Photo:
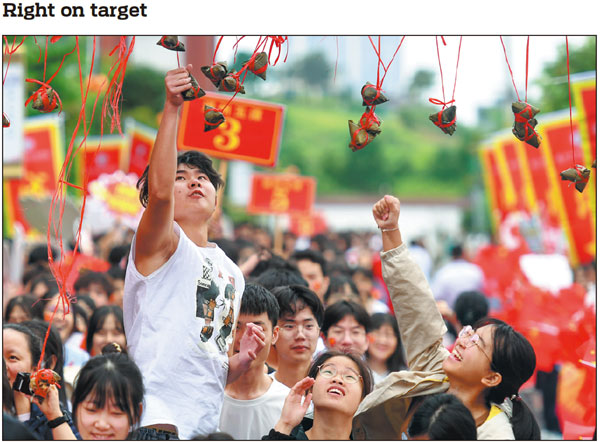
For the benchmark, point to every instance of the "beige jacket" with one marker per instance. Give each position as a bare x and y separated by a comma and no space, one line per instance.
382,412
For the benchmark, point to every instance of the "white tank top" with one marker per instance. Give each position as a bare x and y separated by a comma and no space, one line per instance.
179,322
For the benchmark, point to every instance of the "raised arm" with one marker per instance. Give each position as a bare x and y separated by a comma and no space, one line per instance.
156,240
420,323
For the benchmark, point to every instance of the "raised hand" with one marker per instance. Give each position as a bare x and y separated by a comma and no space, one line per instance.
252,342
295,406
177,81
386,212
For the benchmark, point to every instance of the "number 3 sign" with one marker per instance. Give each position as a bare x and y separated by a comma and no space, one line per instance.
251,132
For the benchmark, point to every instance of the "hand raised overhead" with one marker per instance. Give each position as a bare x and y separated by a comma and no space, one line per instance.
177,81
386,212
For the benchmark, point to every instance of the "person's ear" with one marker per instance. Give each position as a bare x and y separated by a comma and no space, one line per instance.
492,379
275,335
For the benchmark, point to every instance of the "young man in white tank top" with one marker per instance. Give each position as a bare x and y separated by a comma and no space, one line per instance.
182,294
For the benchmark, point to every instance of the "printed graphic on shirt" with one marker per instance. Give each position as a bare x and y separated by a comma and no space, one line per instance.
207,292
227,320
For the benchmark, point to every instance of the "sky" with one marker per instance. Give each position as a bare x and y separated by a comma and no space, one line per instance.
482,74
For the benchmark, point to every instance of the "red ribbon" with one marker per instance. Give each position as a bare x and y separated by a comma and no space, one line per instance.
42,93
162,42
519,118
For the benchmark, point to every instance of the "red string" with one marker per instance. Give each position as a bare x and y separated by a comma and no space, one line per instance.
511,73
570,109
437,46
519,118
216,49
445,103
10,53
277,41
60,270
379,81
112,98
456,72
526,68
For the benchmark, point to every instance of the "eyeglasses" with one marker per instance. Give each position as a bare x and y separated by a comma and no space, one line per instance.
472,339
329,370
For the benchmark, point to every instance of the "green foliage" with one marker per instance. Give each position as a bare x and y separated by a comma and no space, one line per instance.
554,77
413,162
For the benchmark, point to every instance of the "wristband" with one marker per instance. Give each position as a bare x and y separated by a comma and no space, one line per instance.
58,421
390,230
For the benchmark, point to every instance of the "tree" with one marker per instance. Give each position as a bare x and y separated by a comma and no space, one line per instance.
553,80
422,80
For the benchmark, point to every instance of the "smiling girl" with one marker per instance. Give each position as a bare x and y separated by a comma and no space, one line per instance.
108,397
336,383
489,364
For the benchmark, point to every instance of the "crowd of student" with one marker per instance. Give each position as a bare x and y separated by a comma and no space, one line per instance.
318,315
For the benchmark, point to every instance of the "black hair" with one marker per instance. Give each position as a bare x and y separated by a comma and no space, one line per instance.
48,280
363,368
97,321
362,271
117,253
257,300
311,255
293,298
443,417
116,272
39,254
396,361
78,311
87,300
33,270
274,262
111,374
229,247
337,284
192,158
217,435
8,400
339,310
514,359
54,347
85,279
25,302
272,278
456,251
34,343
470,307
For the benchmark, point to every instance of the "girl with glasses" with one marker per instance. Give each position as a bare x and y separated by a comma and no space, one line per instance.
336,383
488,365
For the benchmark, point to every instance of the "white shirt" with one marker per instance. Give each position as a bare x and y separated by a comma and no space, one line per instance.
178,323
454,278
251,419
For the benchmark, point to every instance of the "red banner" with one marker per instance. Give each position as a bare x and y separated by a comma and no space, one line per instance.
584,98
251,131
277,194
141,140
494,185
102,156
575,214
43,156
308,225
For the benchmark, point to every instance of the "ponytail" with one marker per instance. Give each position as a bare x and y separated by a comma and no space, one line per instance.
514,359
525,427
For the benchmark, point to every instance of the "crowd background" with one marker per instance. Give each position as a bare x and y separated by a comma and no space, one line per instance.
341,266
